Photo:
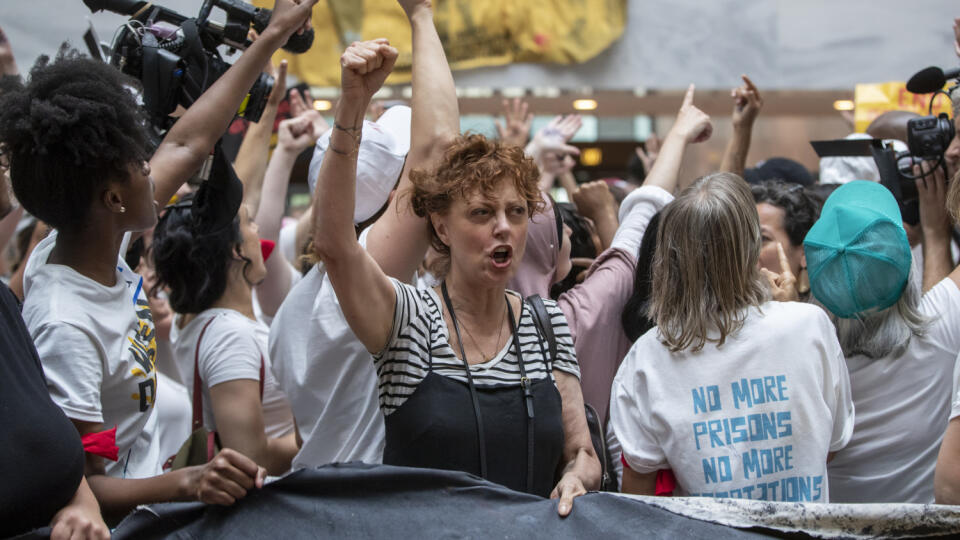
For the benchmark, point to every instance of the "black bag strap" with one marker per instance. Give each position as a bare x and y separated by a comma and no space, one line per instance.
542,319
527,396
481,441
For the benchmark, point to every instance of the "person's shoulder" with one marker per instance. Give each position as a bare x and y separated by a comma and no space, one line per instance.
228,321
647,348
941,299
793,311
225,330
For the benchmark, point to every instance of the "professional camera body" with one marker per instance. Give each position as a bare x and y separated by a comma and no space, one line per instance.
929,136
176,58
927,140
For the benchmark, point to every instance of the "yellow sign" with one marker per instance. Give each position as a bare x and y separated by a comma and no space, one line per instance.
474,34
875,99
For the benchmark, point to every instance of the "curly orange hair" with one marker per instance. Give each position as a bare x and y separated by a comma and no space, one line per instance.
473,164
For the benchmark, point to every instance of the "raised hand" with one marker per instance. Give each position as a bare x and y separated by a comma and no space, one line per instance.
515,129
279,90
783,286
562,127
931,195
648,152
594,200
411,6
557,163
8,65
692,123
551,142
364,67
291,16
296,134
299,108
746,103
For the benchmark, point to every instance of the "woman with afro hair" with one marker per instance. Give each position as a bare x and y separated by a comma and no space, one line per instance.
78,158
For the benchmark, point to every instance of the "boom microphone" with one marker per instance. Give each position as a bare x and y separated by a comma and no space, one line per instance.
931,79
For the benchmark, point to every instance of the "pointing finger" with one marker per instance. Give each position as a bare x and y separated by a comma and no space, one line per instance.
688,98
750,86
784,263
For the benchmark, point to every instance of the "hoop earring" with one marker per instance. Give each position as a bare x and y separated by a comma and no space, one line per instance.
123,209
803,281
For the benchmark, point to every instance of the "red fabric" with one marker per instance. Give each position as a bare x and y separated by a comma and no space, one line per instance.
102,443
266,248
666,481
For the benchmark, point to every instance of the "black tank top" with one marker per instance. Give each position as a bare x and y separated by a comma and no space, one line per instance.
437,427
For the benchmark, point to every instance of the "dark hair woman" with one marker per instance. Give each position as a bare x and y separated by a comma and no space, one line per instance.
76,142
210,275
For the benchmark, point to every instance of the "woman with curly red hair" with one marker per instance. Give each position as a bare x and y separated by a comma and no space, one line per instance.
465,382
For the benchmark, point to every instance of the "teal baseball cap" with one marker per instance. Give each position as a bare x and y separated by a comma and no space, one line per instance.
858,255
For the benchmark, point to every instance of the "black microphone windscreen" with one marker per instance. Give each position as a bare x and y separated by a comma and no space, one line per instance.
299,43
927,80
123,7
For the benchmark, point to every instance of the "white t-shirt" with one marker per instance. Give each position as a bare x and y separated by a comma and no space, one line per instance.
327,375
173,416
903,405
232,349
98,348
752,419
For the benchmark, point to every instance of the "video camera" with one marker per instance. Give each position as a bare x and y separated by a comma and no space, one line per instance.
927,140
176,57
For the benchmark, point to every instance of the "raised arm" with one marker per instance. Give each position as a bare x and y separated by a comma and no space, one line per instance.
254,152
294,136
935,226
365,293
692,126
399,239
515,128
552,154
8,64
595,201
190,140
746,106
636,210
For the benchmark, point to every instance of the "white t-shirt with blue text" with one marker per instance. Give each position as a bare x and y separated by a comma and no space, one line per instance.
754,418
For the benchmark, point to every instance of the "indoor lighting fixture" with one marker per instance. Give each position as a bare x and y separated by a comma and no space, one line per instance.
585,104
322,105
843,105
591,157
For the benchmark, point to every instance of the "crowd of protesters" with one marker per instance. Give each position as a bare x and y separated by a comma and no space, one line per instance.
758,334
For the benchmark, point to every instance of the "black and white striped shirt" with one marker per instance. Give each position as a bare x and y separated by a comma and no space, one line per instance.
418,319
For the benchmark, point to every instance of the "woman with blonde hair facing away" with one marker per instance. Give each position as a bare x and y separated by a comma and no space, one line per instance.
740,396
465,383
